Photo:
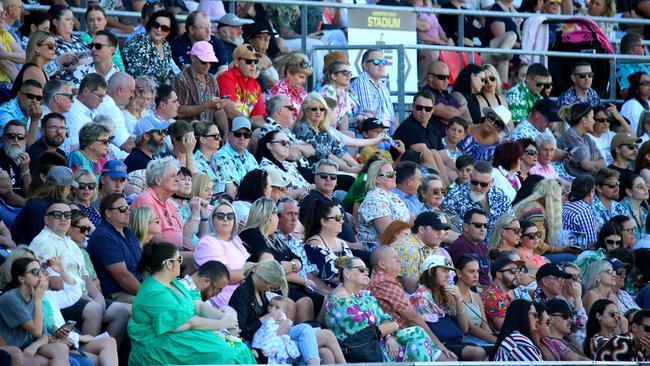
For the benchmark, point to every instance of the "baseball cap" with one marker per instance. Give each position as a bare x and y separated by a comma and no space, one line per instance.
252,30
503,113
245,51
558,306
61,176
240,122
429,218
548,109
277,180
203,51
115,169
233,20
550,269
624,139
148,124
503,261
371,124
434,261
617,264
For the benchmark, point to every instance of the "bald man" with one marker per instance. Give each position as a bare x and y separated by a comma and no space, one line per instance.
392,298
121,87
446,105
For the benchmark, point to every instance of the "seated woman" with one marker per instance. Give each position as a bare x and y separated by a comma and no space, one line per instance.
223,245
85,194
442,307
514,340
80,230
191,209
528,159
323,248
168,327
604,322
297,69
506,162
530,239
468,85
479,331
259,237
144,224
585,157
255,184
380,206
491,94
251,302
352,310
96,21
506,235
599,283
482,139
94,140
272,153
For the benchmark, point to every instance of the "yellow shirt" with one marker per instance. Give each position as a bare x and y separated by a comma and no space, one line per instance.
7,39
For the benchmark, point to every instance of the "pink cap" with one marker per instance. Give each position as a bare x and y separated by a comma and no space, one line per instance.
203,50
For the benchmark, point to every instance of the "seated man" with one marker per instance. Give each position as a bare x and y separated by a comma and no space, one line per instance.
111,181
229,31
634,343
232,162
53,131
631,44
103,48
92,90
150,135
624,148
577,214
447,106
115,251
121,88
370,89
522,96
25,107
581,91
197,28
90,310
15,161
496,297
471,242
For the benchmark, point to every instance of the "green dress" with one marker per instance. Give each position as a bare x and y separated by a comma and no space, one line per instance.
157,310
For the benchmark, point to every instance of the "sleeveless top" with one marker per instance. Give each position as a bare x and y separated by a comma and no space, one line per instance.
487,101
474,313
18,83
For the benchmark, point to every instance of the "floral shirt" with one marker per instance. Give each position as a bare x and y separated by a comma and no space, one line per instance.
272,125
203,165
298,248
453,155
324,259
426,306
496,302
347,103
379,203
571,97
323,142
525,130
289,171
349,315
480,152
603,214
412,253
229,166
639,227
295,96
76,161
520,101
76,46
142,58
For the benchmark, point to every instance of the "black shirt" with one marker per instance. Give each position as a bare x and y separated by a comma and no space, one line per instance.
347,233
36,150
8,165
248,309
182,45
411,132
621,172
256,244
136,160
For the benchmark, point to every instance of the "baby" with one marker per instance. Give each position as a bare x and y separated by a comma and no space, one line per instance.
278,348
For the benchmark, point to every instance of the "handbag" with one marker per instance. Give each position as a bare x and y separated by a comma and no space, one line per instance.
363,346
446,329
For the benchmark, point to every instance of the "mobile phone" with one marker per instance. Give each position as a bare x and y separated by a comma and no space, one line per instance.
574,149
68,325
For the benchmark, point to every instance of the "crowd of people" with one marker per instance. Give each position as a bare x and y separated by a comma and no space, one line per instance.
178,196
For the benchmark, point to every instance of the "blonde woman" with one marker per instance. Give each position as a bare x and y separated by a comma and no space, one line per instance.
201,187
603,8
297,69
505,235
313,127
491,94
599,283
85,194
144,224
544,208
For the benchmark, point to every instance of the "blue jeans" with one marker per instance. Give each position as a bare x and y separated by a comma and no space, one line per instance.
557,258
305,338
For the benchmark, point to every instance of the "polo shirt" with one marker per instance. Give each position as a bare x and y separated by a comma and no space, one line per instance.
136,160
170,223
411,132
106,246
9,165
347,232
182,45
245,92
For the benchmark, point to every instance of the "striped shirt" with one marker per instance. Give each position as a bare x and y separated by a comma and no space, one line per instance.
517,347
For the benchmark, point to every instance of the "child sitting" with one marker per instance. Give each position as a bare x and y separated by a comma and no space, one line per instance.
279,348
464,166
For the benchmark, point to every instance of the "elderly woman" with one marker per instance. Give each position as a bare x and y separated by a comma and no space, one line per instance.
62,27
312,127
94,140
353,312
491,94
482,139
169,326
208,141
272,153
251,302
223,245
144,224
141,104
149,53
192,210
585,158
634,191
85,193
96,21
259,237
337,86
506,162
381,206
297,69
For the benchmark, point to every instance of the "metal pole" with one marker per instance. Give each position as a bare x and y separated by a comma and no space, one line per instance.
303,27
612,79
400,83
461,30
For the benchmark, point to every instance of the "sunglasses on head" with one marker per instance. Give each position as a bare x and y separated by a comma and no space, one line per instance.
122,209
82,229
250,61
162,27
543,84
338,217
440,77
534,235
238,134
377,62
98,46
482,184
88,186
479,225
330,176
583,75
224,216
60,214
565,316
15,136
419,108
31,96
387,175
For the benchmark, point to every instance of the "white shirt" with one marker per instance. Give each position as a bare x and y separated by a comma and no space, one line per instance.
604,144
632,110
80,72
110,109
502,182
76,118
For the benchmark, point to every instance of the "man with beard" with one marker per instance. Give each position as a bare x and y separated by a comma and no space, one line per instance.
605,204
471,241
230,32
149,142
15,161
478,193
624,148
504,279
53,131
25,107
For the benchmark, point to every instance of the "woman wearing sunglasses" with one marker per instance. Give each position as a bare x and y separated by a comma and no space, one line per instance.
336,85
491,94
585,158
272,153
528,159
222,244
297,69
604,322
506,235
149,53
482,139
599,282
85,194
144,224
94,141
80,230
530,239
514,342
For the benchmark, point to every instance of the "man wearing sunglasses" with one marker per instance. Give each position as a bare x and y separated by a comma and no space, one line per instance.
504,273
624,148
605,204
15,161
369,87
542,115
240,83
475,228
577,214
232,162
522,96
90,310
102,48
561,317
581,91
447,107
26,107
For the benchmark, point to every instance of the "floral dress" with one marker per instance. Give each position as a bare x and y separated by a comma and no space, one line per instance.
379,203
76,46
289,171
295,96
142,58
325,259
480,152
324,143
348,315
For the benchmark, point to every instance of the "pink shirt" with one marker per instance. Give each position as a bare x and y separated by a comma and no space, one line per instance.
231,253
546,171
170,223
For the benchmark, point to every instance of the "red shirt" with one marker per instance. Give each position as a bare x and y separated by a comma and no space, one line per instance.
245,92
390,295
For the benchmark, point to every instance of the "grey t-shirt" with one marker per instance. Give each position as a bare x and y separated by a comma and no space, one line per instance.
15,312
586,150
